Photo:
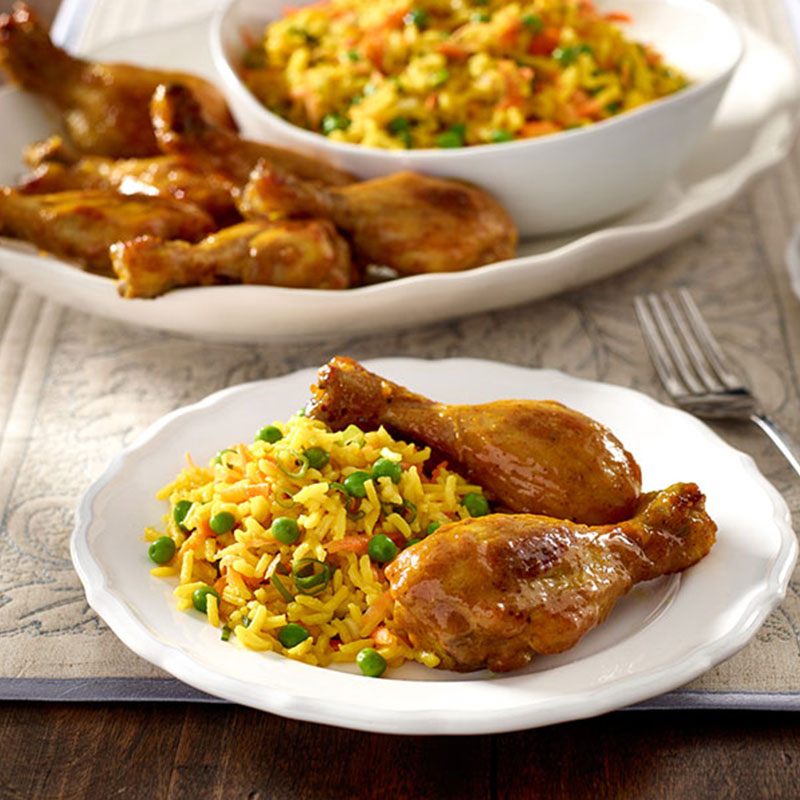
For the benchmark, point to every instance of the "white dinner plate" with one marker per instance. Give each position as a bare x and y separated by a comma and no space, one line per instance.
663,634
753,130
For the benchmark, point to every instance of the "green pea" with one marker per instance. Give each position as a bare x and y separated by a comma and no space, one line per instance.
476,504
502,136
269,433
200,597
386,468
353,55
180,511
292,634
222,522
371,662
433,526
381,548
452,138
161,550
398,124
285,530
354,483
317,457
533,23
416,16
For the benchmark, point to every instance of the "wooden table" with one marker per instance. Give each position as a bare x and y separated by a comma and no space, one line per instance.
198,751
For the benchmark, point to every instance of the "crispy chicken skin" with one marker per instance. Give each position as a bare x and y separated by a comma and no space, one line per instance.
297,253
496,590
82,225
56,170
183,129
538,457
105,106
407,221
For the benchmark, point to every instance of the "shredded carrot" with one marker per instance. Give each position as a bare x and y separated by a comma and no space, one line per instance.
452,50
437,471
539,128
242,451
220,584
375,613
351,544
510,34
545,42
618,16
382,636
431,100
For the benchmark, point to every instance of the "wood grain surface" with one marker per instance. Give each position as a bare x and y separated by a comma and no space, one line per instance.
194,751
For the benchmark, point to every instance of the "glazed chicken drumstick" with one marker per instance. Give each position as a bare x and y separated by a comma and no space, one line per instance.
407,221
529,456
56,169
494,591
183,129
84,224
297,253
105,106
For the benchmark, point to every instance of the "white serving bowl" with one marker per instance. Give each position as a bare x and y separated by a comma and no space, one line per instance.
555,183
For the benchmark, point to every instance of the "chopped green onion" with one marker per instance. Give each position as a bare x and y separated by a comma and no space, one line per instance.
412,509
218,457
282,590
300,472
433,526
481,16
440,77
398,124
292,634
288,500
311,576
416,16
351,434
334,122
226,633
353,55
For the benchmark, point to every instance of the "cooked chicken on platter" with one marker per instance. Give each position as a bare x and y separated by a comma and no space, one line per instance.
407,221
105,106
496,590
57,169
183,129
530,456
296,253
82,225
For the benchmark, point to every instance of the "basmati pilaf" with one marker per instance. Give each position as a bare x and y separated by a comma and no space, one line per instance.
326,580
448,73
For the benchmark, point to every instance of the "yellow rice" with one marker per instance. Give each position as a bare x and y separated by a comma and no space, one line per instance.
252,572
448,73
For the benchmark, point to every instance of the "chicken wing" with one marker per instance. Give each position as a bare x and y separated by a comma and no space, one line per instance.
82,225
105,106
182,129
494,591
409,222
297,253
530,456
54,170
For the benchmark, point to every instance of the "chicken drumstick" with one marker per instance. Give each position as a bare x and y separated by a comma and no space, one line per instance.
494,591
537,457
105,106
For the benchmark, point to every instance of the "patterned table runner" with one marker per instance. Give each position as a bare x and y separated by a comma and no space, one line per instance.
75,389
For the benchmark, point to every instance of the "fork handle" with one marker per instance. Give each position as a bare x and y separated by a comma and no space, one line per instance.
780,439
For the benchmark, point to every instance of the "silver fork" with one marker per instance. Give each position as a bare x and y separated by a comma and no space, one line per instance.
694,370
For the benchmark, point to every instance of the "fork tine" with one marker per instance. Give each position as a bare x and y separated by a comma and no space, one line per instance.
691,345
710,347
673,345
658,352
